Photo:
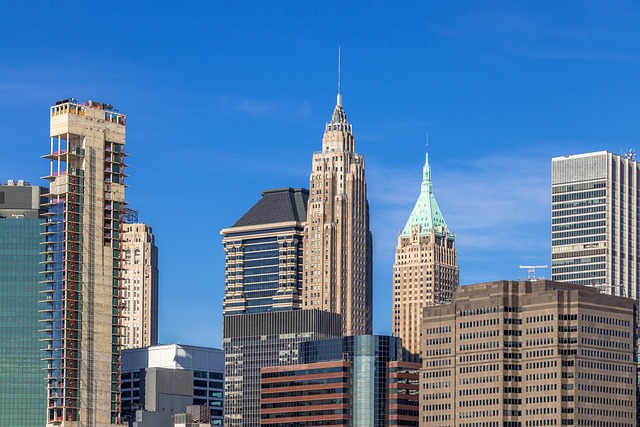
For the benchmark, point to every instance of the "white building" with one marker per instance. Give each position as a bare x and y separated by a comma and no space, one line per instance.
595,221
161,381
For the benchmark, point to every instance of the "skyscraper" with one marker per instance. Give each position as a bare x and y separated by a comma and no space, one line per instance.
263,250
595,227
338,251
83,261
530,353
254,341
140,283
21,367
425,271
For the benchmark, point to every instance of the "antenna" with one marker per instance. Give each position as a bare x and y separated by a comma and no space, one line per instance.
531,269
339,101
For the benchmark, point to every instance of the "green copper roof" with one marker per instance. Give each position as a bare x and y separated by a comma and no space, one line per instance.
426,212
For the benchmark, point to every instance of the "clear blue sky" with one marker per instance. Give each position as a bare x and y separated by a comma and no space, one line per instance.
225,99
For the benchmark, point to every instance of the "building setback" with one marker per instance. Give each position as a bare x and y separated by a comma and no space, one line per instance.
254,341
82,268
363,380
338,252
162,381
595,225
530,353
263,254
22,385
425,271
140,282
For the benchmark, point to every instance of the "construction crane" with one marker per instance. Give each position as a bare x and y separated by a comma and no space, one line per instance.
531,271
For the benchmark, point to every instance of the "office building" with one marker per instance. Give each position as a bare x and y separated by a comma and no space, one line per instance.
530,353
22,385
254,341
338,253
263,254
162,381
83,260
140,286
425,270
595,222
364,380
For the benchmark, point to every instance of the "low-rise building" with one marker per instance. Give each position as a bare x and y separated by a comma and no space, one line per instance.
161,381
357,380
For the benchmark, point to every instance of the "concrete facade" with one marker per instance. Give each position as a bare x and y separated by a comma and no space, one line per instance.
83,261
531,353
595,228
140,282
338,245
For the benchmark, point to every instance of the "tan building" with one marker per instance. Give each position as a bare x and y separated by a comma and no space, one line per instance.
140,282
530,353
82,279
425,270
337,238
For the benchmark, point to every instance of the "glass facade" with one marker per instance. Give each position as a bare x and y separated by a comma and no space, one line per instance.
22,385
263,273
370,355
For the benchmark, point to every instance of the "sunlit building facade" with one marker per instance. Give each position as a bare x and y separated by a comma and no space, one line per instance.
530,353
425,271
82,267
338,246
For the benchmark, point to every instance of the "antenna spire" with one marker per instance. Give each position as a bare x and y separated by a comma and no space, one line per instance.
339,98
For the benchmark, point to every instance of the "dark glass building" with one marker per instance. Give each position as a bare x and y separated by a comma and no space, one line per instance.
364,380
22,385
263,268
254,341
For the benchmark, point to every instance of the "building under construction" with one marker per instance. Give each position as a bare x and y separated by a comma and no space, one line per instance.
82,264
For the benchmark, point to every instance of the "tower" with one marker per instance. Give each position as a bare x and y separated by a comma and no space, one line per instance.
425,271
140,286
594,221
82,267
263,251
337,239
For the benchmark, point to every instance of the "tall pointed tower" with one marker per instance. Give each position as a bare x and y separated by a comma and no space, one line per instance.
337,239
425,271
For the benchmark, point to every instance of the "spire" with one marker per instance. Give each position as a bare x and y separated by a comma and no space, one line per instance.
339,97
426,212
426,171
338,115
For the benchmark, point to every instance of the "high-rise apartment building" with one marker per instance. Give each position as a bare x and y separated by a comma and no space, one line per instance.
263,254
22,384
140,286
425,270
595,226
338,251
531,353
83,262
254,341
364,380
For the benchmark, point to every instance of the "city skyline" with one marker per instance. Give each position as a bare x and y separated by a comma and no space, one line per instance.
500,88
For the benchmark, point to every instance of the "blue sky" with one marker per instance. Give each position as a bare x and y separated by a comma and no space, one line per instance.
226,99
